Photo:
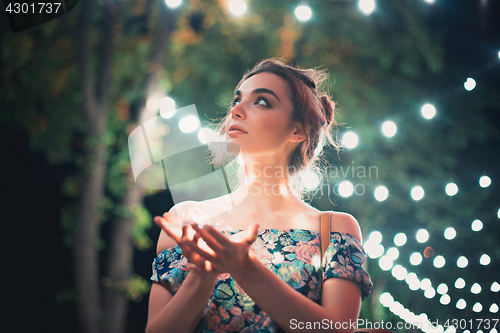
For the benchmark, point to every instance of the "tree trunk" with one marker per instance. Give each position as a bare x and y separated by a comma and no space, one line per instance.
119,266
120,257
95,108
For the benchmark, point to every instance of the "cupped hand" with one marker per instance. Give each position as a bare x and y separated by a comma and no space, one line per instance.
189,242
226,254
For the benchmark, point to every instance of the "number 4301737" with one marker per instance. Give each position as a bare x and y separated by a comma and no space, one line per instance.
472,324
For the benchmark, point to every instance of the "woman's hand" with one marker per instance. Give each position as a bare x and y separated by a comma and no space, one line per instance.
187,239
225,255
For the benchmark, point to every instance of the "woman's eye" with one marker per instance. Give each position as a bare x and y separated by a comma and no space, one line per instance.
235,101
263,102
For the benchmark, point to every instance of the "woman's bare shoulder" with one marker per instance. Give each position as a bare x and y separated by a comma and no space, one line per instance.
345,223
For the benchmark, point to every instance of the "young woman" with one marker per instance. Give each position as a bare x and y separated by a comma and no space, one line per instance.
266,275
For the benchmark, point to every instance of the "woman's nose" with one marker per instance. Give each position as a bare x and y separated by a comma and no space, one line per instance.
238,111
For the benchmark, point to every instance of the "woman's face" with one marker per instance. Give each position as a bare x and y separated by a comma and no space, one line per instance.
261,117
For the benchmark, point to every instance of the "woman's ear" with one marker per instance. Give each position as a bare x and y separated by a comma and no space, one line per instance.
298,134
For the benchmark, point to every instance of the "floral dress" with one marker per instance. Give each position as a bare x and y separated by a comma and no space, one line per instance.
293,255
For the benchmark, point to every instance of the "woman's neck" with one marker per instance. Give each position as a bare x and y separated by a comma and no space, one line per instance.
265,188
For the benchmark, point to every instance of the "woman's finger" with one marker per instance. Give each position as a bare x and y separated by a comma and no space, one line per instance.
171,230
217,236
201,252
207,238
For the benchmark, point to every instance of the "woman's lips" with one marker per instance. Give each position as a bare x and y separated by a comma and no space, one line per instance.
236,131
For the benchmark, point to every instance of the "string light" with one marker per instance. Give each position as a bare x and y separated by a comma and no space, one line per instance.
422,236
439,261
367,6
381,193
460,283
303,12
188,124
417,193
415,259
484,181
461,304
350,140
389,129
346,189
476,225
462,262
237,7
475,289
428,111
485,260
442,288
451,189
173,3
167,107
450,233
400,239
470,84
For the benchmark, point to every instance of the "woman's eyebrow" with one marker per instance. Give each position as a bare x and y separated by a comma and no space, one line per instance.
260,90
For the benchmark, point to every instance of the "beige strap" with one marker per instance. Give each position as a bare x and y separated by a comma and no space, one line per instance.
324,232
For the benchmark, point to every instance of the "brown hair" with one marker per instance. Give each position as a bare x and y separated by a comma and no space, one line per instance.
315,111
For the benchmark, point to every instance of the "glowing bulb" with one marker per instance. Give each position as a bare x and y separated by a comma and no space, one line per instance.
477,307
429,1
366,6
350,140
439,261
393,253
417,193
476,288
346,189
188,124
460,283
450,233
425,284
381,193
485,260
461,304
429,293
415,258
173,3
375,236
470,84
495,287
237,7
462,262
428,111
373,250
445,299
484,181
476,225
451,189
303,12
167,107
399,272
385,263
422,236
389,129
494,308
442,288
400,239
386,299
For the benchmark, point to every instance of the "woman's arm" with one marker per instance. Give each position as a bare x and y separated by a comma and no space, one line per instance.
181,312
341,298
